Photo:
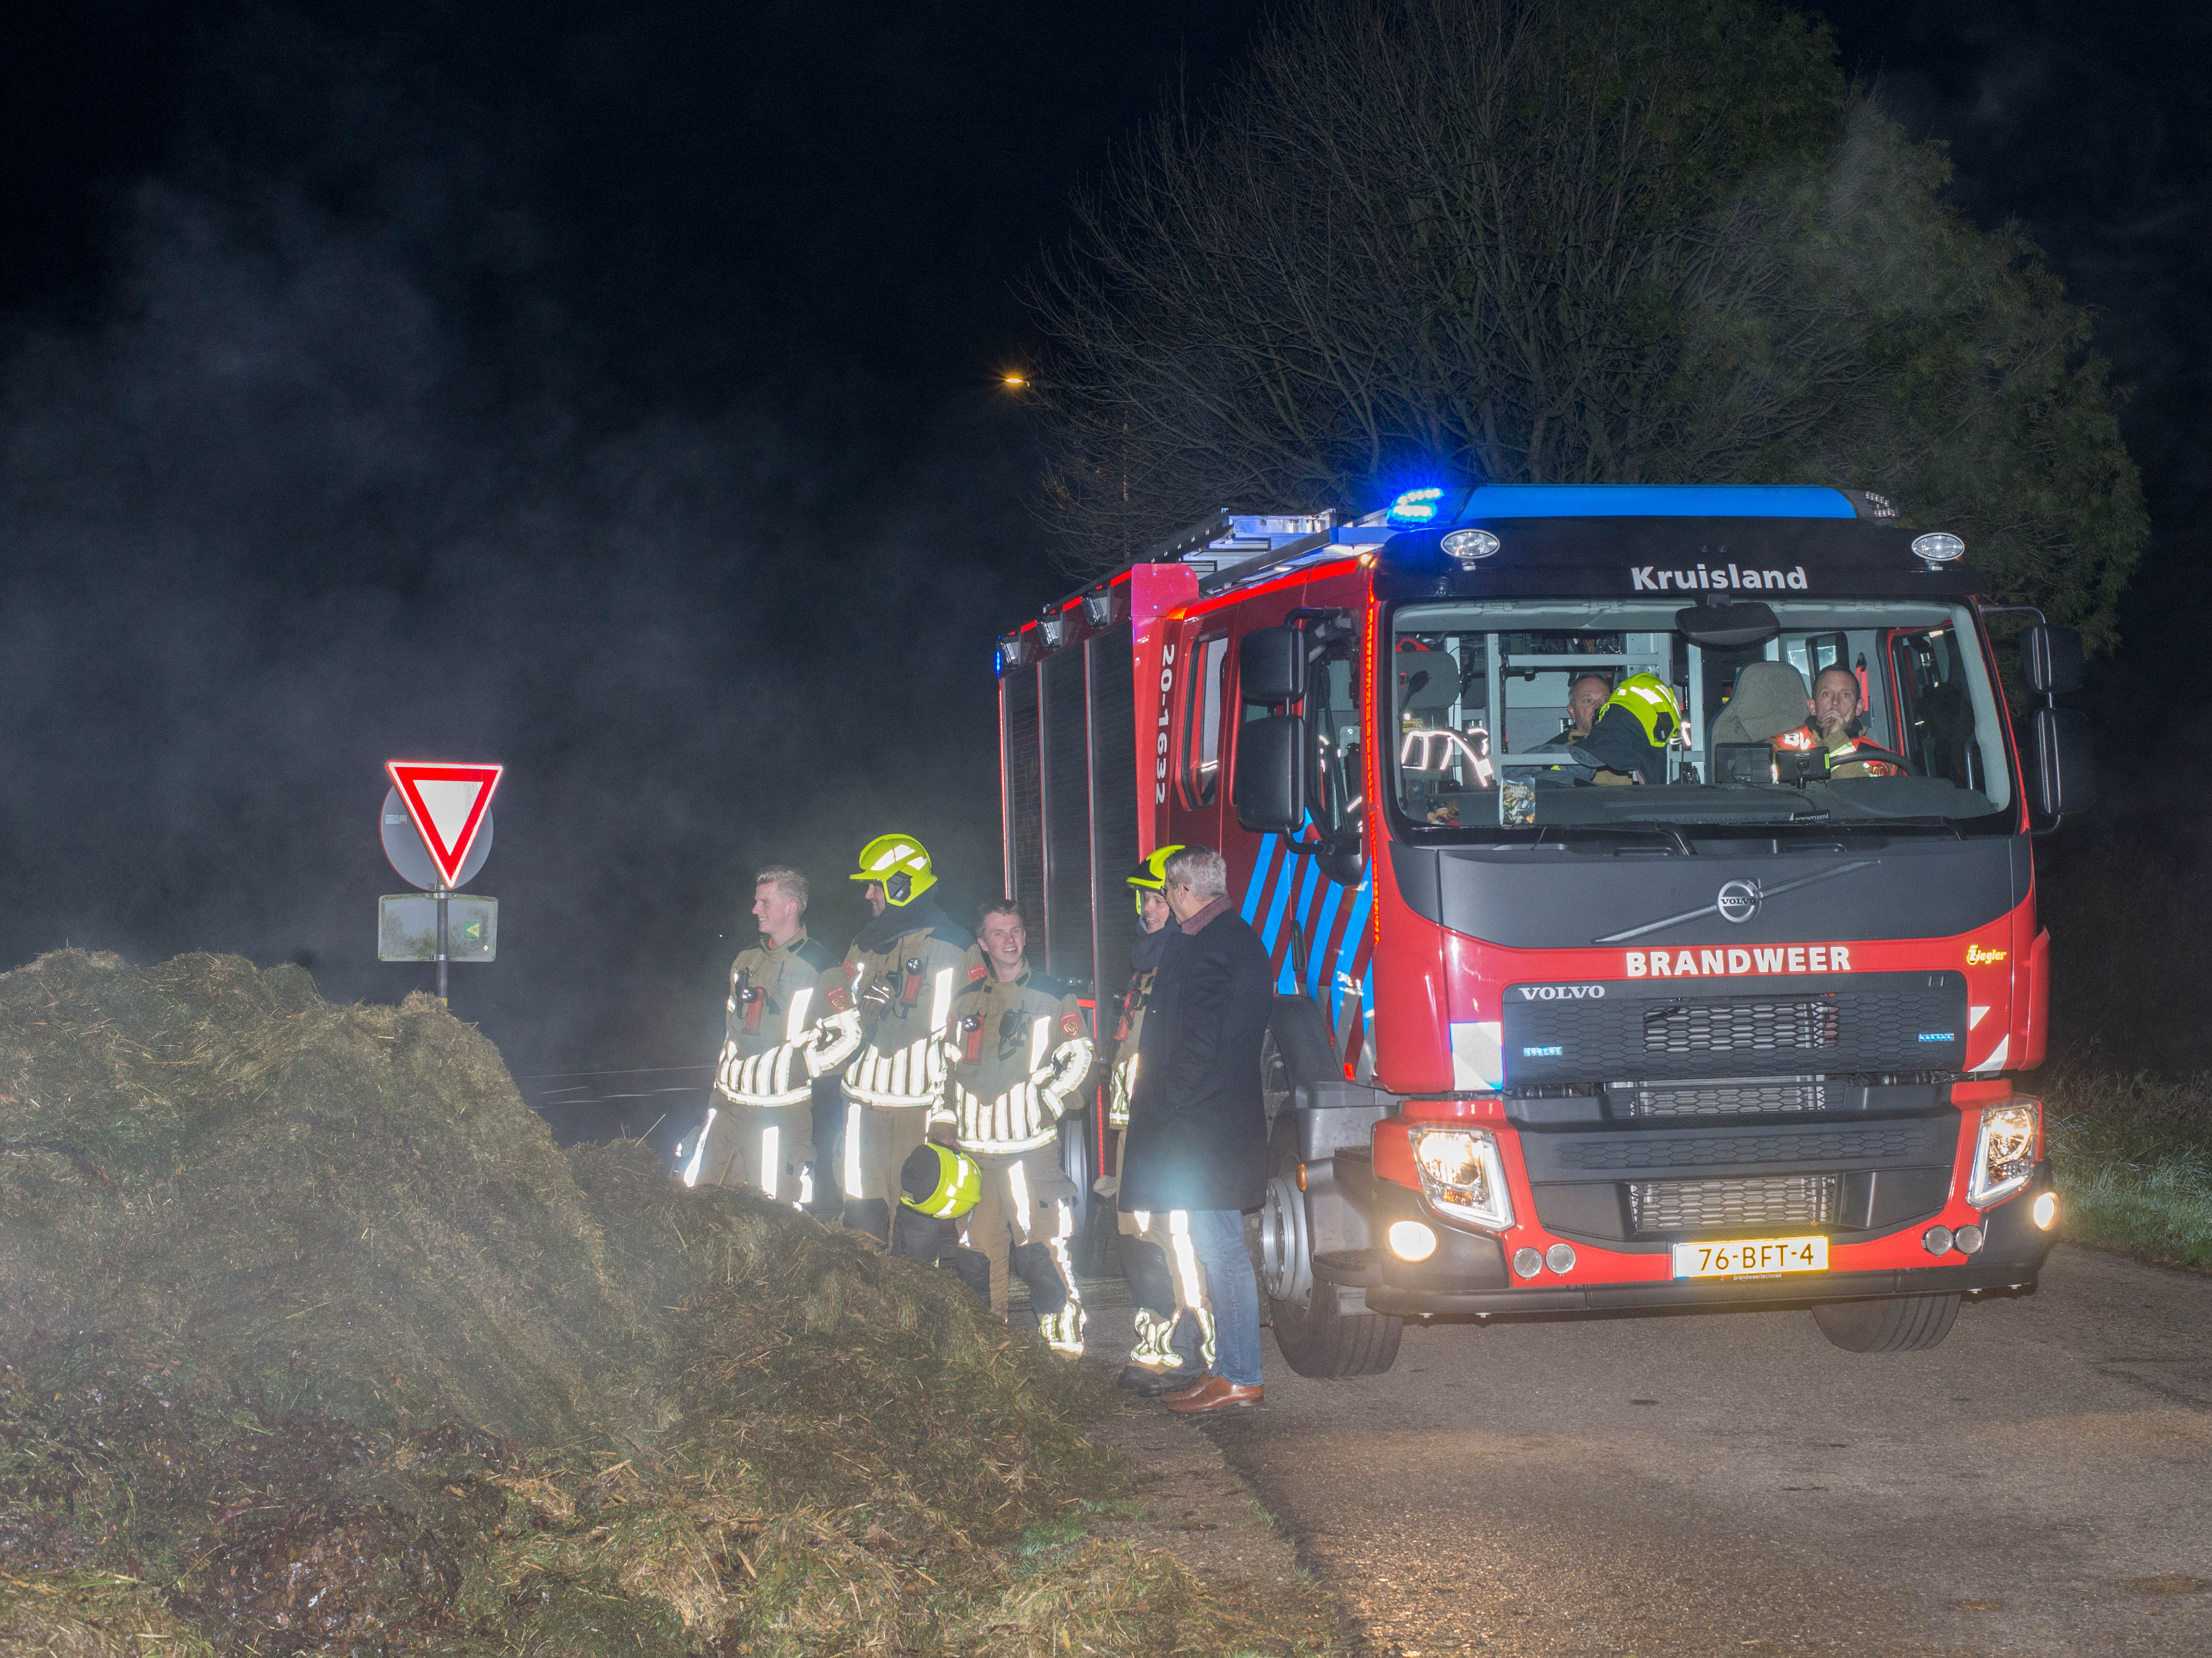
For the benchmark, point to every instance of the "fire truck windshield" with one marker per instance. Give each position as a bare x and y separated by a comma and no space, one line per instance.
1495,703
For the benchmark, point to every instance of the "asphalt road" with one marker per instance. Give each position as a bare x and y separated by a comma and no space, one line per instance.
1726,1484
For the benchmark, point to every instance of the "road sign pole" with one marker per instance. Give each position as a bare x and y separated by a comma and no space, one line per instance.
442,945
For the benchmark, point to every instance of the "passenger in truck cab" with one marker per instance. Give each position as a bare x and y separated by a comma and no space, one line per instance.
1585,696
1833,725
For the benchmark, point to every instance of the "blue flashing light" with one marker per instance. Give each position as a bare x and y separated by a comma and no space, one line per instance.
1417,507
1496,501
998,662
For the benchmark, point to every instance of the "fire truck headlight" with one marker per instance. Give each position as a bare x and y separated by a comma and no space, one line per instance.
2046,1210
2005,1151
1462,1175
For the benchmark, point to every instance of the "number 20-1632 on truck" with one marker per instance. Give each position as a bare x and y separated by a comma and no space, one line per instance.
1735,1023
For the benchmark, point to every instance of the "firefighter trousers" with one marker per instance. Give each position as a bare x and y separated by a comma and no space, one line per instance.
1175,1316
771,1147
878,1142
1022,1224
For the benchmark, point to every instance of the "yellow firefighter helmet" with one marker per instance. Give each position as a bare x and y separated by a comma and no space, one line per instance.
939,1182
1152,875
900,865
1646,698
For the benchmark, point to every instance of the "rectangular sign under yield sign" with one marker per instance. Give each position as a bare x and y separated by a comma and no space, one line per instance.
407,927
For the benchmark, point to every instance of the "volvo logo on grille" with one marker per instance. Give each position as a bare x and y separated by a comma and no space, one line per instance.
1560,993
1738,900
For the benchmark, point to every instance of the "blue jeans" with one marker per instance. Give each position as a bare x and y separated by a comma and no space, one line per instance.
1217,1238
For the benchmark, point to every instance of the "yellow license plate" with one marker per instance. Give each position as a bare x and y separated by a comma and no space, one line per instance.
1751,1257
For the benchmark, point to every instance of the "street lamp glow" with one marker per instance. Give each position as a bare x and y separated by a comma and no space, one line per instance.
1015,382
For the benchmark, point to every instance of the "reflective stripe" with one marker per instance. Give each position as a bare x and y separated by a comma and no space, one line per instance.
771,1165
1040,1034
692,1168
1020,1180
1144,1219
794,1026
852,1151
1185,1257
805,1185
940,1006
1190,1291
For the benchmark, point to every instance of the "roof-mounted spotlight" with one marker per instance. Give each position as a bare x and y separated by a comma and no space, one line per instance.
1938,547
1011,649
1054,630
1467,548
1098,607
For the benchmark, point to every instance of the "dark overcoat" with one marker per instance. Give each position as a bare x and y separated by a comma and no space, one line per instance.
1198,1121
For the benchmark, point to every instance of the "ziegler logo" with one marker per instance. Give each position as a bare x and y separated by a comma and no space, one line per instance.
1976,955
1650,579
1560,993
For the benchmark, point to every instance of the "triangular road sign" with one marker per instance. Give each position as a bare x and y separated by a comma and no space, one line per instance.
447,804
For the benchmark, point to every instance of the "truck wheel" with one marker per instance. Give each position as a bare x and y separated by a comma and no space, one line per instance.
1315,1336
1901,1324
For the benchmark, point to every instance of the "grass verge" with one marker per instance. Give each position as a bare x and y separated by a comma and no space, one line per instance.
2133,1157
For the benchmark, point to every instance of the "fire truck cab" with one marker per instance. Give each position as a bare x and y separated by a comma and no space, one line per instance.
1739,1028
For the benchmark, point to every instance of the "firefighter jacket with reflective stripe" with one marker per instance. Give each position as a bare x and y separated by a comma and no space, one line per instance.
1121,1084
902,991
1019,1055
779,995
1807,738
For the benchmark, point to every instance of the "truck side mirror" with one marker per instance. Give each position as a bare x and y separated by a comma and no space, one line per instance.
1269,788
2061,778
2051,660
1271,665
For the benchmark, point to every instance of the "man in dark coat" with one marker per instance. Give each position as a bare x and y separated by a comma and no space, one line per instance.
1198,1123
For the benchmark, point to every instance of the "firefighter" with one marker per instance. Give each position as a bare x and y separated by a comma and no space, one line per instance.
1833,728
1017,1058
902,971
1175,1321
760,1129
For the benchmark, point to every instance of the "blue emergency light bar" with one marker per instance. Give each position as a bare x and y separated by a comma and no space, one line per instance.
1424,506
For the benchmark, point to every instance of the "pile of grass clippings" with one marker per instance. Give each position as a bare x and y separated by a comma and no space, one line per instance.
2132,1155
312,1340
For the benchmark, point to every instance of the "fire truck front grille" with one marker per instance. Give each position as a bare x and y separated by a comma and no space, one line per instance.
1769,1031
1761,1201
1626,1153
1739,1098
1742,1027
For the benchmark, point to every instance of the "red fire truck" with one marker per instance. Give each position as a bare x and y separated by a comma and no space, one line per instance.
1741,1031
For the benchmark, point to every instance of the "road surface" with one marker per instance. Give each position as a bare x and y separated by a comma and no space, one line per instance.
1730,1483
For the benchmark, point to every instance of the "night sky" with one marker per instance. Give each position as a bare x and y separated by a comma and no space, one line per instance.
616,395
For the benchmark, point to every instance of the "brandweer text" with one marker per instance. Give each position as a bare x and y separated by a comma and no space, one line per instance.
1721,964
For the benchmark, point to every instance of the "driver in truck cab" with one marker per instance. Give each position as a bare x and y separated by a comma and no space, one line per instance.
1832,725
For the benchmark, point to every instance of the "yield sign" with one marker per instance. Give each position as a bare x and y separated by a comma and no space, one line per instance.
447,804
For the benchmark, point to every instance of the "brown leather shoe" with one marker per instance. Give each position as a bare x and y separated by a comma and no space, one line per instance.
1186,1390
1216,1393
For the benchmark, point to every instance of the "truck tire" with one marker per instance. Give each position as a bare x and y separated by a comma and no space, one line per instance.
1902,1324
1315,1336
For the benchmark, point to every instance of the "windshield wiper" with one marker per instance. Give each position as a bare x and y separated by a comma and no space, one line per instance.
1678,842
